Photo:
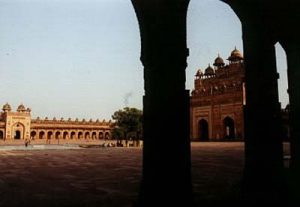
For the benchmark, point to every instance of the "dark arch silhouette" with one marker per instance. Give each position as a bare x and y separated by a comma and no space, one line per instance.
33,134
57,134
65,134
72,135
203,130
41,135
229,131
164,51
49,135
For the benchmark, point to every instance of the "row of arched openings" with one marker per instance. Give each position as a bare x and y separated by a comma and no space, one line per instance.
16,134
228,127
69,135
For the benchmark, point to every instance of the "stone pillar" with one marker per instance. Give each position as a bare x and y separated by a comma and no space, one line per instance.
263,175
292,49
166,174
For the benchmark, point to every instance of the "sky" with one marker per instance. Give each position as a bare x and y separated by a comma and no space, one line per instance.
80,58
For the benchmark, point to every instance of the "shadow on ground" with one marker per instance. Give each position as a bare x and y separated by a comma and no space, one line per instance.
109,177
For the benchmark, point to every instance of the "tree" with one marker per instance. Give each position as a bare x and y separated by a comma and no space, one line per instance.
128,123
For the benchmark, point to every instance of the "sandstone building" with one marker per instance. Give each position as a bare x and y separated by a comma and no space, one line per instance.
216,103
16,125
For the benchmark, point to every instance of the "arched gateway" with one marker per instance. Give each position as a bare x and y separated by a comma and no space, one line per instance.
229,130
203,130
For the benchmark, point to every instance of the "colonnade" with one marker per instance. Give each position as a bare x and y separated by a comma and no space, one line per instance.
69,134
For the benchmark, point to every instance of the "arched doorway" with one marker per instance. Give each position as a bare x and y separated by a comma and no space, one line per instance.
65,135
57,135
33,135
72,135
1,135
203,130
17,134
80,135
229,128
41,135
49,135
18,131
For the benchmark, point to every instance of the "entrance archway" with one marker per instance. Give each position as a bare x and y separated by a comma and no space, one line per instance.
18,131
17,134
41,135
72,136
1,135
57,135
33,134
80,135
229,128
65,135
203,130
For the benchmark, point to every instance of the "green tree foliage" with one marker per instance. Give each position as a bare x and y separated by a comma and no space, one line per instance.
128,123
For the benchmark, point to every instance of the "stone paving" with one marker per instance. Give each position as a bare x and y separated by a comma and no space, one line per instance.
108,177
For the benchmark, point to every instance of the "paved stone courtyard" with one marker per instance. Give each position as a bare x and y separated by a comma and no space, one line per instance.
109,176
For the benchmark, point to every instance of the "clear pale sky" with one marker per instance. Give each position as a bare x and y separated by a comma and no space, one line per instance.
80,58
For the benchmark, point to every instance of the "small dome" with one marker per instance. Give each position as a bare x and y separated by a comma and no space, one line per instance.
235,55
199,73
28,110
209,70
219,62
6,107
21,108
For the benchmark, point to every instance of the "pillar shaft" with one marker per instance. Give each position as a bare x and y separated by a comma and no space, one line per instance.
292,49
263,175
166,178
293,60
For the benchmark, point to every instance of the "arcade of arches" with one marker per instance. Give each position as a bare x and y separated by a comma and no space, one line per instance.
19,125
164,53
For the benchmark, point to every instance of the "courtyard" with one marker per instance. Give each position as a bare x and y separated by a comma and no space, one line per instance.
109,176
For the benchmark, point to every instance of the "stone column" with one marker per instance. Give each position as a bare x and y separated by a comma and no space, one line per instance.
292,49
166,176
263,175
